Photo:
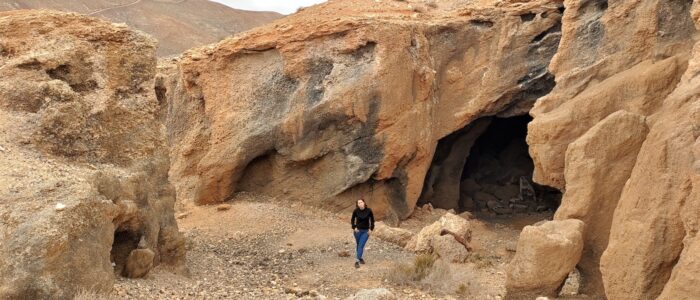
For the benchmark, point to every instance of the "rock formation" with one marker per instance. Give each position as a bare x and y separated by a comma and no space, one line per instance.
387,100
618,133
393,101
545,256
83,181
342,100
448,238
396,235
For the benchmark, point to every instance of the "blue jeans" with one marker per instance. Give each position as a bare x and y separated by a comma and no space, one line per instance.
361,237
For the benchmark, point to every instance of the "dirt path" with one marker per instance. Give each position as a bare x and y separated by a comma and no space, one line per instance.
264,249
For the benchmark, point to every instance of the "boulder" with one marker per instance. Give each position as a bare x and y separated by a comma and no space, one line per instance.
84,174
139,262
390,234
544,257
448,237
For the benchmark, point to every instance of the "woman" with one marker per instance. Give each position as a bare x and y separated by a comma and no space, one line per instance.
362,224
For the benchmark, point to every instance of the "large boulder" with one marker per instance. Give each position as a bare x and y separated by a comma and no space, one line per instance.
398,236
447,237
84,176
334,103
545,255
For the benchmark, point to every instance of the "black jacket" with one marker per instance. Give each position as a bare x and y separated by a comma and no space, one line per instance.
362,219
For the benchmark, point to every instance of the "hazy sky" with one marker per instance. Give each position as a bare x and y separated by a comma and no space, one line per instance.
280,6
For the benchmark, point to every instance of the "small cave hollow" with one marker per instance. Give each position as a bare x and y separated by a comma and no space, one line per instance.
125,241
485,168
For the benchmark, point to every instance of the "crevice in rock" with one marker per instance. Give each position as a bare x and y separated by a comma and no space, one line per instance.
481,23
527,17
486,168
554,29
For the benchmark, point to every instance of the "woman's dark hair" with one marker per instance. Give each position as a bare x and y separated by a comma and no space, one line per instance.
363,201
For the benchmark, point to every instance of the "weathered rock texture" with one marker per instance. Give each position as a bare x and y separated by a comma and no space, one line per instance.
390,234
618,133
545,256
350,98
84,163
447,237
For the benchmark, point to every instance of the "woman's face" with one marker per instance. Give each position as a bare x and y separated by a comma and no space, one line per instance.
361,204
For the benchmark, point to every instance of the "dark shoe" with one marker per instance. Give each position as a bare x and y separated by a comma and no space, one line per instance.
362,261
357,264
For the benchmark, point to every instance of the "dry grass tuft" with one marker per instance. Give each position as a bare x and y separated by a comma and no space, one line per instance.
405,274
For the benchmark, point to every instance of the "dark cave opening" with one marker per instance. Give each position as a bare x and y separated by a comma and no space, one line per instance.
124,242
486,168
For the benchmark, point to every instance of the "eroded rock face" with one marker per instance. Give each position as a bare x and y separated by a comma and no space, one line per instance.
635,57
545,256
84,162
327,107
597,166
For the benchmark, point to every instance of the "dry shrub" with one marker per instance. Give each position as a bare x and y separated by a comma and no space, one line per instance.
431,273
405,274
482,261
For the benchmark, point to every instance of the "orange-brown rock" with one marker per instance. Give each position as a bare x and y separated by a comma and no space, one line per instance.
349,98
84,161
597,166
545,255
626,60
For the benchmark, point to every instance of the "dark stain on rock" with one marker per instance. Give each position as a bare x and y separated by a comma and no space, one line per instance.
271,98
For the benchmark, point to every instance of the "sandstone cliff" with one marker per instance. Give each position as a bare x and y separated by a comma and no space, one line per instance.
350,98
84,163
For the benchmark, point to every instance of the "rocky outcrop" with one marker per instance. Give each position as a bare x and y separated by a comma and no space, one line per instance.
597,166
545,256
84,163
448,238
623,69
325,107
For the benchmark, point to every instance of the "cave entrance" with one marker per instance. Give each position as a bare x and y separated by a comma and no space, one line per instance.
485,168
125,241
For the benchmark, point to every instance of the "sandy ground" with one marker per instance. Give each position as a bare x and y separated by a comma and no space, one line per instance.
259,248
